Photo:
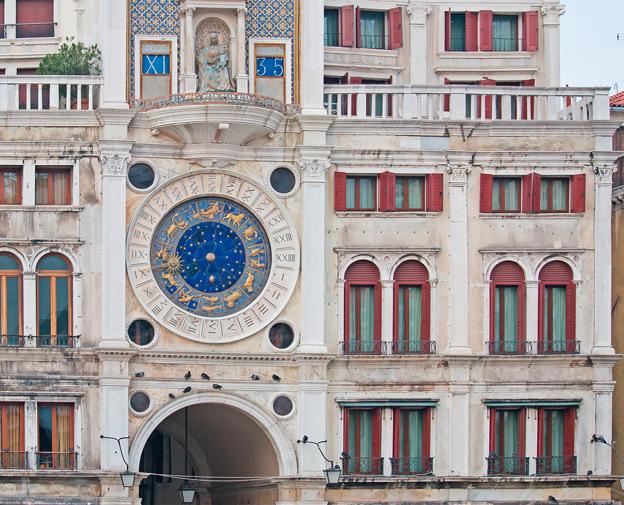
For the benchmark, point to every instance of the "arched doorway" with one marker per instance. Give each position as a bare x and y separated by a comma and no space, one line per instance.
227,438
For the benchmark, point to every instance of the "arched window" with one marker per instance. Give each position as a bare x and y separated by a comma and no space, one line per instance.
507,301
557,309
54,307
362,309
11,326
411,309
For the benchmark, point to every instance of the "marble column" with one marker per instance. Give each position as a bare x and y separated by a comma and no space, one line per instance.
418,15
312,57
603,403
242,78
188,78
114,53
459,426
550,45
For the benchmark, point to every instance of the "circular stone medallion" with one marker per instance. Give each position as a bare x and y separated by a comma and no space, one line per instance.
212,257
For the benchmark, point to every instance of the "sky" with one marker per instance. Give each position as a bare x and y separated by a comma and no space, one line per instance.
591,55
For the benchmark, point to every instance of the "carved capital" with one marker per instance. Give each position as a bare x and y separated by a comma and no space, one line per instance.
314,170
552,13
115,165
241,11
604,173
418,13
458,173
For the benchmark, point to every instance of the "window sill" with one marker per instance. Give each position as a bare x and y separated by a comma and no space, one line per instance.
385,214
553,215
486,54
41,208
363,50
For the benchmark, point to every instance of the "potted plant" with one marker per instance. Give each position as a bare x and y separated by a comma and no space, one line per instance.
72,58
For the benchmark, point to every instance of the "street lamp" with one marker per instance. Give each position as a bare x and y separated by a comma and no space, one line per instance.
127,477
187,492
332,474
599,439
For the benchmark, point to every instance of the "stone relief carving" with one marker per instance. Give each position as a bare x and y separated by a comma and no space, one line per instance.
458,173
115,164
314,169
604,172
554,10
213,56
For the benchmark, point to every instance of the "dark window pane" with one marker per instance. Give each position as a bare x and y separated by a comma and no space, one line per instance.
52,263
331,27
372,30
45,427
141,176
458,32
281,336
12,304
62,306
44,306
282,405
8,263
141,332
505,33
282,180
139,402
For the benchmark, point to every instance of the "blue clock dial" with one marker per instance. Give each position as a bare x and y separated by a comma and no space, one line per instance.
211,256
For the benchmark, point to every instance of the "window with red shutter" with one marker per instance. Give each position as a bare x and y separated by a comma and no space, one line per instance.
507,442
472,31
395,22
347,20
34,18
485,196
507,309
412,309
12,447
340,191
578,193
387,181
487,100
527,193
555,443
409,193
412,439
557,309
486,20
530,31
551,194
434,188
2,27
362,442
362,321
447,30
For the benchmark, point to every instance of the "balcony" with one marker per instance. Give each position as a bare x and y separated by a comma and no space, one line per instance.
412,466
467,103
555,465
413,347
40,341
362,466
383,348
12,460
56,460
512,465
525,348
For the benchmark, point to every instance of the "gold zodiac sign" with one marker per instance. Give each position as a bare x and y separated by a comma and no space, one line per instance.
250,233
255,252
234,219
214,300
208,213
163,254
185,296
232,299
257,264
177,223
249,282
169,277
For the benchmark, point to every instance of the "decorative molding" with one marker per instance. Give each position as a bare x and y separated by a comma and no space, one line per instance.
604,172
553,11
314,170
418,13
458,172
115,165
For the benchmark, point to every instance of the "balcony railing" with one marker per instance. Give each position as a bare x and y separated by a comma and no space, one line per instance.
412,466
376,347
555,465
512,465
42,341
362,466
49,92
521,348
8,341
509,347
558,347
56,460
56,340
495,103
13,460
413,347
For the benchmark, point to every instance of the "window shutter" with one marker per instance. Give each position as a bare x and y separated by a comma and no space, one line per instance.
358,27
2,12
540,433
447,30
530,31
395,21
396,430
492,431
488,98
34,11
377,336
578,192
537,192
527,194
447,98
347,314
387,191
434,189
486,193
347,36
346,419
472,31
571,317
569,419
376,446
528,103
520,342
340,191
425,319
486,19
426,437
354,80
521,434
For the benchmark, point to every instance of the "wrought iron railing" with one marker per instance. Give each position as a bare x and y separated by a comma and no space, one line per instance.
558,347
8,341
56,460
511,465
29,30
56,341
412,466
413,347
371,41
509,347
16,460
555,465
362,466
357,347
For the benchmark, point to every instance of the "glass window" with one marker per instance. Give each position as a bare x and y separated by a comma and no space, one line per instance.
12,453
554,321
331,27
458,32
362,444
409,322
554,194
372,30
283,180
141,176
54,302
409,456
362,319
505,33
56,436
506,452
10,186
10,302
556,443
281,336
506,319
53,186
361,193
410,193
506,194
141,332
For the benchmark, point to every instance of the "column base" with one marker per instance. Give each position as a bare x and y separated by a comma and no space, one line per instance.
242,83
188,83
605,350
310,111
459,350
114,105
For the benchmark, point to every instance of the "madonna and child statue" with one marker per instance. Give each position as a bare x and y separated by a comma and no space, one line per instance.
213,56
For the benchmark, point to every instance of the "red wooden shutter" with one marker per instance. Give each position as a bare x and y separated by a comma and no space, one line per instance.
347,315
486,20
578,193
434,189
426,437
35,18
537,192
568,433
447,98
346,419
472,31
488,98
521,434
377,335
485,199
520,342
358,27
447,30
354,80
396,430
395,22
527,194
376,449
2,12
347,36
425,317
492,431
340,191
571,317
387,191
540,433
528,103
530,31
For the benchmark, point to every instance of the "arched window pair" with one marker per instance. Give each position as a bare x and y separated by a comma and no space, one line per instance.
556,312
53,298
411,309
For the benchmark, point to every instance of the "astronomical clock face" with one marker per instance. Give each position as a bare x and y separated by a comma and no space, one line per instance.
212,257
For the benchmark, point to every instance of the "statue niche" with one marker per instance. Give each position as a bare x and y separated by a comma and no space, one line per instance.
213,56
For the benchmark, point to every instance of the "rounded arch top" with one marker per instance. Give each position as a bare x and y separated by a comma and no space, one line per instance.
521,263
66,255
345,265
507,271
556,270
53,261
413,268
362,270
9,261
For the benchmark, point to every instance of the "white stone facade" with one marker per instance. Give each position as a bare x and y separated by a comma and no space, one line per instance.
415,125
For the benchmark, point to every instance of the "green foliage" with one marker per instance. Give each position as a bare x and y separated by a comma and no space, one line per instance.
72,58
